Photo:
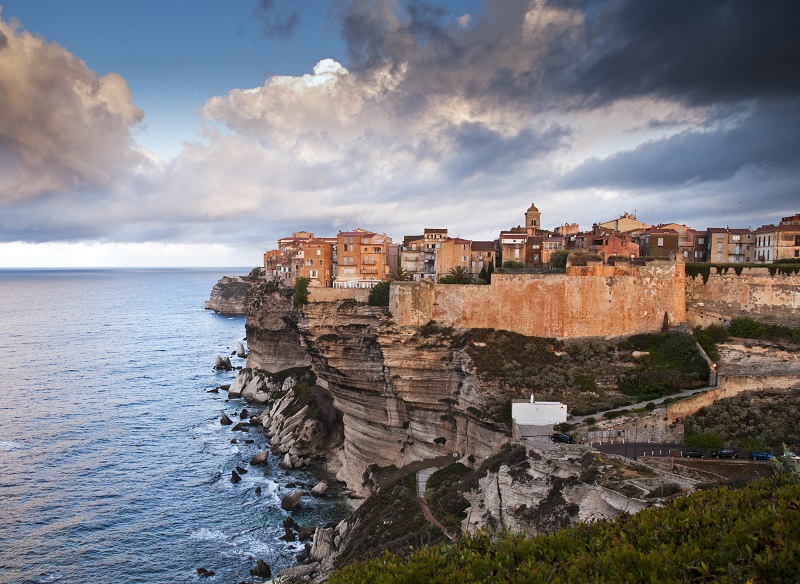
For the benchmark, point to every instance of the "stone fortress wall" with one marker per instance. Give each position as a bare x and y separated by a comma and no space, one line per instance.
755,294
587,301
599,300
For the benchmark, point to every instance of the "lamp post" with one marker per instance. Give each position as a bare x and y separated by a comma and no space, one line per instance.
716,374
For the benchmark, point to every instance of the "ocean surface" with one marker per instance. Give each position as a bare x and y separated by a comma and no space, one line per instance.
113,464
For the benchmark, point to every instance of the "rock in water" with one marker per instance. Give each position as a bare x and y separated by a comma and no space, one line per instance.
259,459
203,573
235,478
241,470
240,351
243,414
223,364
262,570
286,463
292,500
320,489
225,420
258,490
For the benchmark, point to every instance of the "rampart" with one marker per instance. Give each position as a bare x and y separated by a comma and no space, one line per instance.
337,294
730,386
587,301
754,293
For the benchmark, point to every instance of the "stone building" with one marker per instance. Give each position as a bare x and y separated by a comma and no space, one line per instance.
726,245
625,224
659,243
778,242
317,260
453,252
363,258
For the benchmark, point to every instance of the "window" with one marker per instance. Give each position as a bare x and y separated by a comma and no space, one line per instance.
516,254
797,253
319,252
660,242
719,247
719,257
464,259
719,235
701,240
736,237
314,274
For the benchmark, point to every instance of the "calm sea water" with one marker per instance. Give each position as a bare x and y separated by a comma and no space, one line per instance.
113,464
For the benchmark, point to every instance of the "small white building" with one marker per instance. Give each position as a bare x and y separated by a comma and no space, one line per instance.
538,413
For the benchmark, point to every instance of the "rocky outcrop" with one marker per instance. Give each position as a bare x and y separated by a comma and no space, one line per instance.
272,334
229,294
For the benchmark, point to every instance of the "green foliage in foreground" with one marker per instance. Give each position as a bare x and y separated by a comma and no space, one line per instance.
721,535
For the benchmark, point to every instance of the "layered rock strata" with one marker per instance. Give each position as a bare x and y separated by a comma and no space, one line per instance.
229,295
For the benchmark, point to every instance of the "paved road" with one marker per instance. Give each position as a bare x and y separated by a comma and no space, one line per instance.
680,395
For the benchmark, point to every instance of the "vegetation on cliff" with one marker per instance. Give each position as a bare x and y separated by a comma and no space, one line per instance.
725,534
769,417
590,375
745,328
787,266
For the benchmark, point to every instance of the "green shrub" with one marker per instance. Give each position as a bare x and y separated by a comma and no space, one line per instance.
513,264
746,327
379,294
586,381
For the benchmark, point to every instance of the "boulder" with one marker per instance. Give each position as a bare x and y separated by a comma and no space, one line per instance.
235,478
286,463
243,414
259,459
203,573
241,427
258,490
223,364
240,351
319,489
225,420
292,500
241,470
262,570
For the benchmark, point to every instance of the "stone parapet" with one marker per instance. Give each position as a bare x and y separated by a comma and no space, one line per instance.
338,294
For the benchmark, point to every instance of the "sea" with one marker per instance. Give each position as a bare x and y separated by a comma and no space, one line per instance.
114,466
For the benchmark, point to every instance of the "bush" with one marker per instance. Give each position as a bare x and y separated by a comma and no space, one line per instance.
513,264
379,294
747,328
558,259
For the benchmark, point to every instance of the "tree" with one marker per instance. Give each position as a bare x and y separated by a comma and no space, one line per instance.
483,275
400,275
379,294
460,275
752,443
558,259
705,441
301,291
490,271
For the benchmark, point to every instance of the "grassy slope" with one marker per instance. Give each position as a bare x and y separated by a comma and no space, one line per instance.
721,535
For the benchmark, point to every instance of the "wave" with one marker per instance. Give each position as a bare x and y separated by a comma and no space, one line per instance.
9,445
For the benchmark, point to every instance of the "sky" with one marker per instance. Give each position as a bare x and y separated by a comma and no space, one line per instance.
198,132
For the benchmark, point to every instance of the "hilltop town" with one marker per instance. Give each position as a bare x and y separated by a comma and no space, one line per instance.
361,258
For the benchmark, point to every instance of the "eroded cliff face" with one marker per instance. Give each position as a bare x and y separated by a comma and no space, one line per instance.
403,397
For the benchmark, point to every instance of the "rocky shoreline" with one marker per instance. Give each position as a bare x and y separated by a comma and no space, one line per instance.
229,294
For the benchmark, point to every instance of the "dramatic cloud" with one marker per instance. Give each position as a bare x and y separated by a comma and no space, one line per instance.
437,119
62,127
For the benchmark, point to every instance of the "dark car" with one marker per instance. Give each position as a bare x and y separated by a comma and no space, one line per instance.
725,453
565,438
761,456
693,454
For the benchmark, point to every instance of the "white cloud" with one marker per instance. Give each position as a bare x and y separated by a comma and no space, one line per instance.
62,127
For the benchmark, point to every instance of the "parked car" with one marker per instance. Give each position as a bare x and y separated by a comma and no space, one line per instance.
693,454
565,438
725,453
758,455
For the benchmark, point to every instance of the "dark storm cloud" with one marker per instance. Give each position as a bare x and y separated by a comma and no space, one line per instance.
702,52
279,18
3,41
585,52
477,149
769,139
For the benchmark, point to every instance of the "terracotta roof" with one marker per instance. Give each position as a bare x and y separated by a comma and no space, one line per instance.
458,240
429,230
483,246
